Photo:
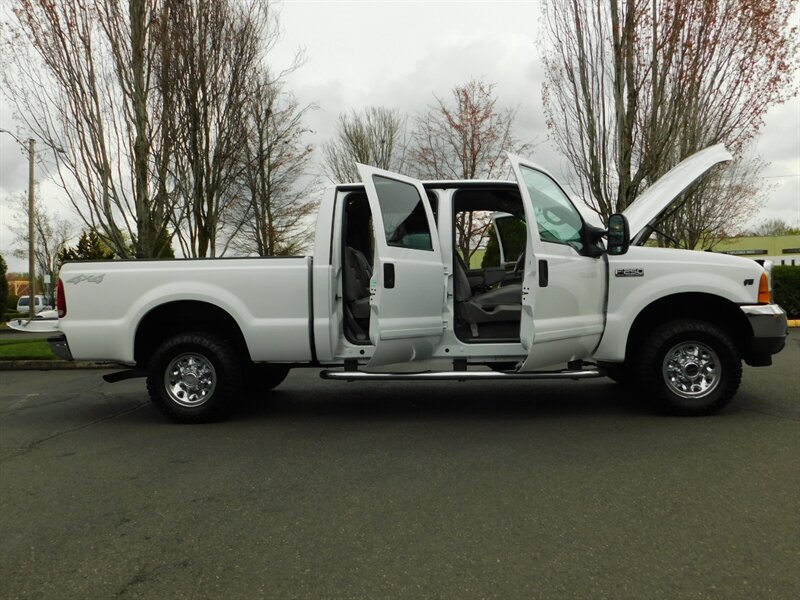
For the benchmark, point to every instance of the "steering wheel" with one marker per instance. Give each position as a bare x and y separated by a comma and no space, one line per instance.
551,213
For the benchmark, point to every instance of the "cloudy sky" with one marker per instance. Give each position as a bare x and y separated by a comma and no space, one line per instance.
398,54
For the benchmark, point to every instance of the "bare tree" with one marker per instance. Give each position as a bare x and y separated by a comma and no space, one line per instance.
51,236
148,99
770,227
81,77
273,213
216,54
635,86
465,138
374,136
715,207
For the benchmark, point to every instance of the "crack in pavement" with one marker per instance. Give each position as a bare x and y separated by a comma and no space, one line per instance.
34,444
769,414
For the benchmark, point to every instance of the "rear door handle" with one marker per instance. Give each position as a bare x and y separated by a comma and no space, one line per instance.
388,275
544,275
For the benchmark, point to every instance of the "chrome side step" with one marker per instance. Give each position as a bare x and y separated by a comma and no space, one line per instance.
458,375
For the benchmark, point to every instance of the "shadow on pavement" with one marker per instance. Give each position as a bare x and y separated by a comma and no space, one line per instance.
401,401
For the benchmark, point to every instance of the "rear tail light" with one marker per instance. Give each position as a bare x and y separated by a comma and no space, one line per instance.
61,300
764,293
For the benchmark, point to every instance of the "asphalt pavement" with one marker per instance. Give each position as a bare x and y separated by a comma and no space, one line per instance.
399,490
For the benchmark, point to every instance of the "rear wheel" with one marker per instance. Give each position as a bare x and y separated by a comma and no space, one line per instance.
194,377
689,367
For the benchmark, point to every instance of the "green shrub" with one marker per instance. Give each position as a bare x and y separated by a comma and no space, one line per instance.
786,289
11,303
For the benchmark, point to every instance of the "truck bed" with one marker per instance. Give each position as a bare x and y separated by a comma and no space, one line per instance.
269,298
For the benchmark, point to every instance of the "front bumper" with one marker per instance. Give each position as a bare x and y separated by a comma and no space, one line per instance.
770,329
60,347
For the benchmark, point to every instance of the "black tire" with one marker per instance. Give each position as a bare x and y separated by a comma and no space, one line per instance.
210,380
689,367
264,377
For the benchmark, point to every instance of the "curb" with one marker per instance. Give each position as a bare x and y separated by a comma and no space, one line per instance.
794,322
54,365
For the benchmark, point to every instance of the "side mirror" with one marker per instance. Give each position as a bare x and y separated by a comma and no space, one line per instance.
619,234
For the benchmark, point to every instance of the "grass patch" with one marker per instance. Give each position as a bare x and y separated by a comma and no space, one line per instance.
25,350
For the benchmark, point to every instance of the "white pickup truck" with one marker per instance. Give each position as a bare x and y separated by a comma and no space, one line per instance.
386,285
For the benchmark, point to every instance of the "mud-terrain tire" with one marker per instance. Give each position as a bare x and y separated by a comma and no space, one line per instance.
689,367
194,377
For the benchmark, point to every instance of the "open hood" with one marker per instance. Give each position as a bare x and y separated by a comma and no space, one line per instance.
656,199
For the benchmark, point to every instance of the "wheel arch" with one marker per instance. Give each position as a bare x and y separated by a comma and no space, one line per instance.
690,305
179,316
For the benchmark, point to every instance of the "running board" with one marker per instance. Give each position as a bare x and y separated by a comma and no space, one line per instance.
458,375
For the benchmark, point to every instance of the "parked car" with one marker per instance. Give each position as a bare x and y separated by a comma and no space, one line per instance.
40,303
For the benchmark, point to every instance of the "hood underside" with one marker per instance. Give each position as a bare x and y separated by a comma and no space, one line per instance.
655,200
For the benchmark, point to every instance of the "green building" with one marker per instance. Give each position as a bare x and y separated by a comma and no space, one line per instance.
780,249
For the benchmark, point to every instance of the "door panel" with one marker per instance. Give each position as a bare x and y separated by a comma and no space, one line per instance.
408,285
562,309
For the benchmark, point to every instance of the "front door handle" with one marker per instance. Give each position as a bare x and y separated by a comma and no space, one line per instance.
544,275
388,275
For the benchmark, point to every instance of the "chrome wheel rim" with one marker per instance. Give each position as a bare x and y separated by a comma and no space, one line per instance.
190,379
691,370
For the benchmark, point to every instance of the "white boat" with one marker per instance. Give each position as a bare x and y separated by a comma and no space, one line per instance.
44,322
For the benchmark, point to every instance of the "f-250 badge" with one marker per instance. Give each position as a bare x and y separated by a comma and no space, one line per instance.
89,278
629,273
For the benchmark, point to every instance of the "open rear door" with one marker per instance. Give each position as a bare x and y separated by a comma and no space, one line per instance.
408,286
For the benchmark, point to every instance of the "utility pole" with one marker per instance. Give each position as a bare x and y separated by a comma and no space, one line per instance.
31,217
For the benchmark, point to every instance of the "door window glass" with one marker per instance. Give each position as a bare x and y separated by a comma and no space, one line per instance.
513,235
558,220
404,219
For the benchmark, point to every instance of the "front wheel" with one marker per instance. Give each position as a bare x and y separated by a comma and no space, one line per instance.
689,367
194,377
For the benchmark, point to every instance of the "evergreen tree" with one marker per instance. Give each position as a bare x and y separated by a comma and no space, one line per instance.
89,247
3,287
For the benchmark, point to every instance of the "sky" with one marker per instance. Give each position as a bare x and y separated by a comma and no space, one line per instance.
399,54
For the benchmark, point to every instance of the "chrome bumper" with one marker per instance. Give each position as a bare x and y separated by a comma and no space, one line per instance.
770,329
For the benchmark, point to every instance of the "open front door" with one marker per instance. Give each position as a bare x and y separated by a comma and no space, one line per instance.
408,285
564,282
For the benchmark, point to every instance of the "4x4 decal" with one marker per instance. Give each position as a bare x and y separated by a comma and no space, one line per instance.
89,278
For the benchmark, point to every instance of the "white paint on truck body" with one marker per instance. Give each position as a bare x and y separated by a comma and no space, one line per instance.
668,272
267,297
